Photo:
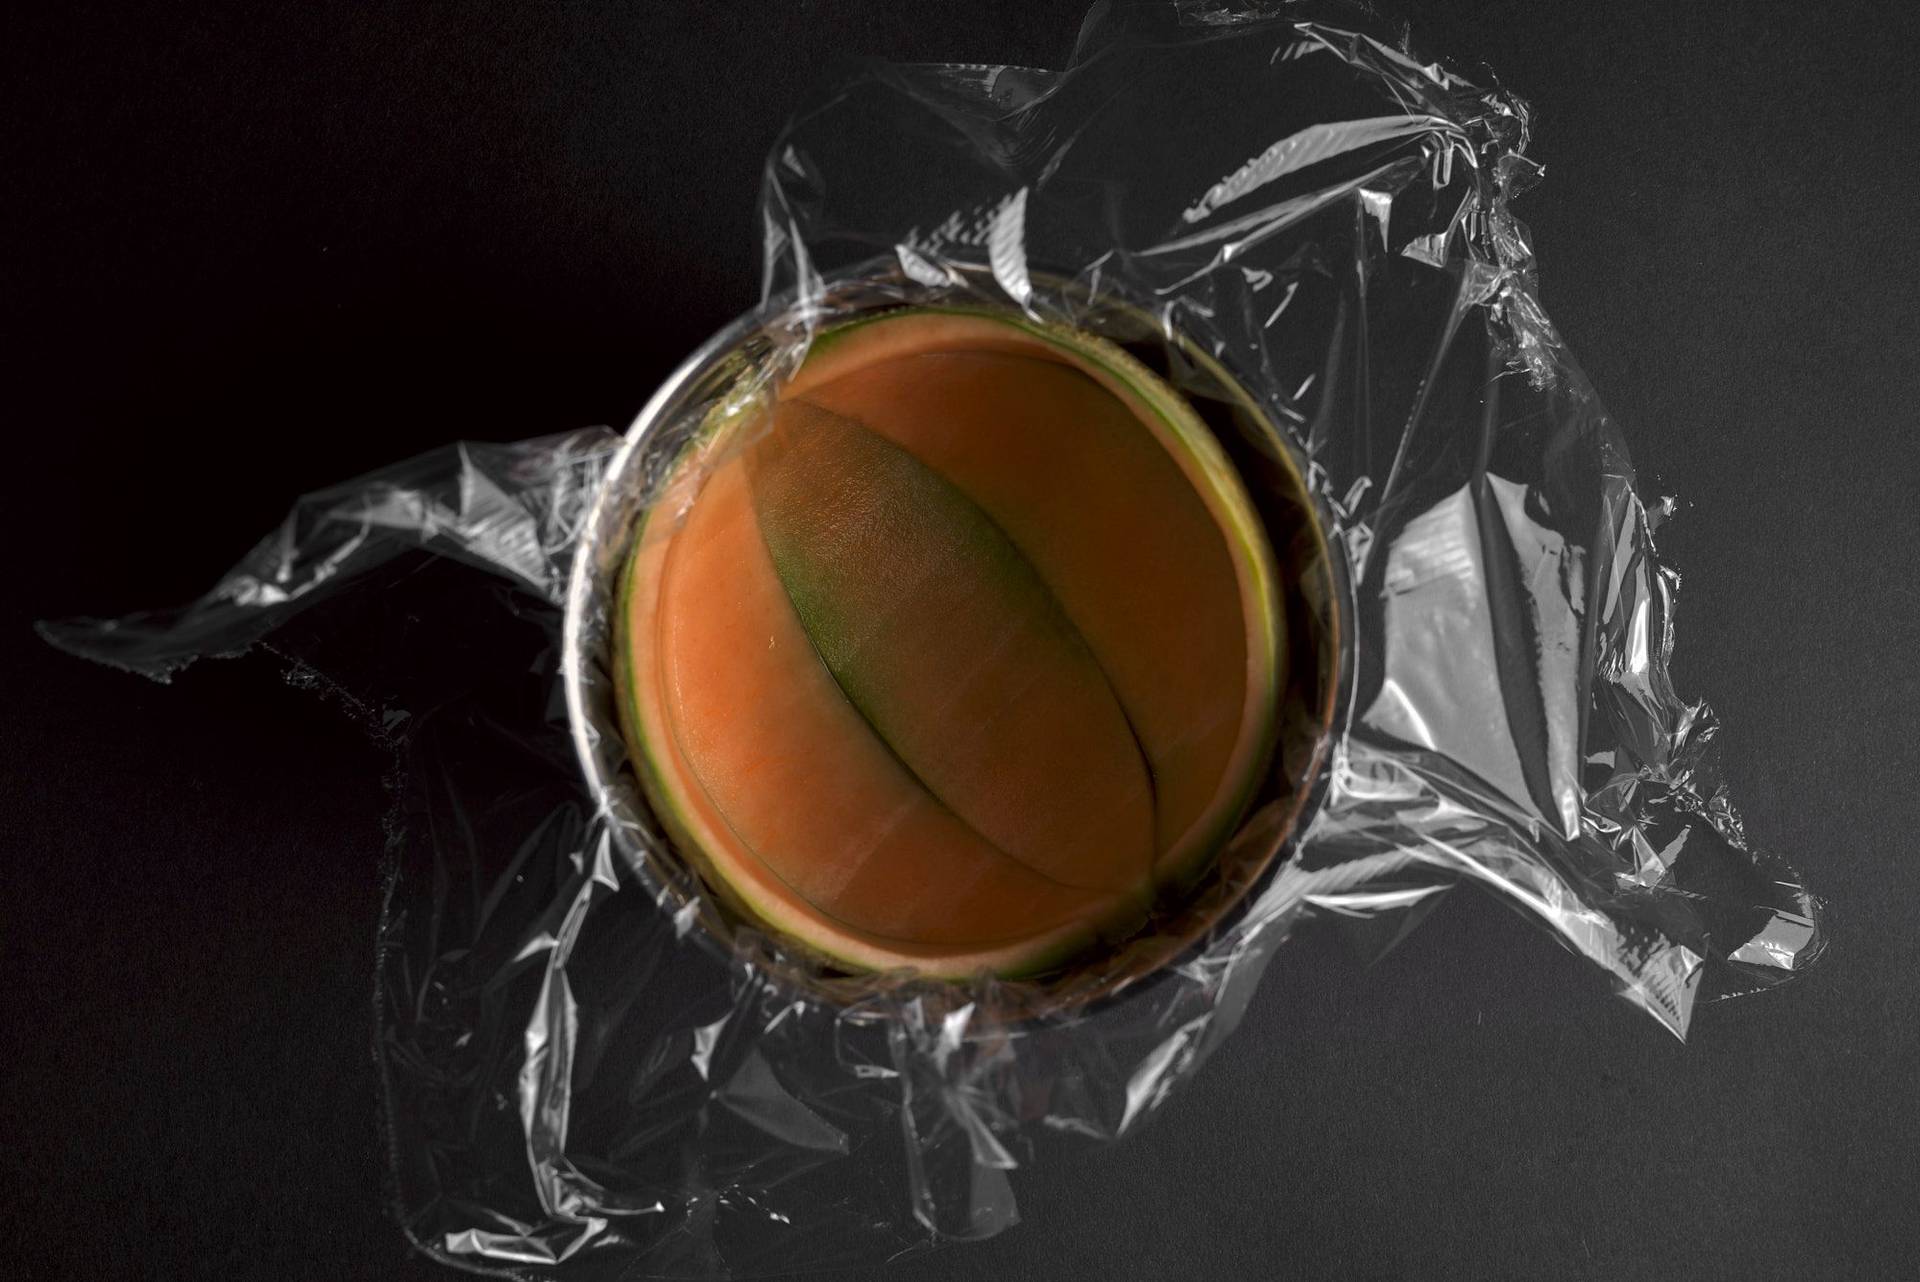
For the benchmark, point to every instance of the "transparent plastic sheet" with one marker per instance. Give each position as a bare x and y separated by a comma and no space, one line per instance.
593,1072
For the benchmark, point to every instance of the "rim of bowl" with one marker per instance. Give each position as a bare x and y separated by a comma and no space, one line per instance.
893,289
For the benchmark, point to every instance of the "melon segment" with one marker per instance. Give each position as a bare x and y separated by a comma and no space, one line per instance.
794,804
1144,536
948,643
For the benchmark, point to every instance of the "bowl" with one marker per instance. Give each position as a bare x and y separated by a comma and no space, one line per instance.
728,373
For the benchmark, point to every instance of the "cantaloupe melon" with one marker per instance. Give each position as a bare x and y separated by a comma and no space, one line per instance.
957,652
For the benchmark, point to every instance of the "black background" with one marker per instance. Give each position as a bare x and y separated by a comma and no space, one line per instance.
251,250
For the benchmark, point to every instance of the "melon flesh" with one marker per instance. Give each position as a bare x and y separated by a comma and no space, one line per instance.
954,654
949,644
798,796
1110,522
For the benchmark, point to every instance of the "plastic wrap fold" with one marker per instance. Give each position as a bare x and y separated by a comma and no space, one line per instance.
586,1079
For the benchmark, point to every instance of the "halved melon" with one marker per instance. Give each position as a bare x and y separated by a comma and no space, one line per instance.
956,653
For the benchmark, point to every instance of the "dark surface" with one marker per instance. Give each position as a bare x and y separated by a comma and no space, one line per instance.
252,251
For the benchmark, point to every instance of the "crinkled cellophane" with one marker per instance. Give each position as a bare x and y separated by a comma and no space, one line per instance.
591,1071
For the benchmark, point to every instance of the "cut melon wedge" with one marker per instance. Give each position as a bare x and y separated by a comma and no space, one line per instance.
958,652
945,639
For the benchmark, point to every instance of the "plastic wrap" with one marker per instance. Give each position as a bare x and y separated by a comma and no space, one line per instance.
591,1071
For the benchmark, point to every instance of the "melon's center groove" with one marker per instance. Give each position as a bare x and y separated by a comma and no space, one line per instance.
835,496
1054,604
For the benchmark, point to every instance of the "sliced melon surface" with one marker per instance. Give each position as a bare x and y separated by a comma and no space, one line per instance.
1145,537
757,725
956,652
948,643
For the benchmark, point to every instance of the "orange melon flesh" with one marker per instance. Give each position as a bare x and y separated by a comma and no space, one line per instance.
1056,457
797,806
956,651
953,649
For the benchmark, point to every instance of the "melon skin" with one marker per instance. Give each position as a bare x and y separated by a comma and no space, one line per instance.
919,895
